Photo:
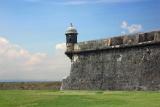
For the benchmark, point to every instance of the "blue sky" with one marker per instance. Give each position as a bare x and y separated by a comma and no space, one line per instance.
39,25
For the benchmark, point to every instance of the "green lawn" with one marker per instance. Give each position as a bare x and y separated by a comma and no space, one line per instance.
44,98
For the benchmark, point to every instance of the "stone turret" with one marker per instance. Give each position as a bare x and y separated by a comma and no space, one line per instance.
71,40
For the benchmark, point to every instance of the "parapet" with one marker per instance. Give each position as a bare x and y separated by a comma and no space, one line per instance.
123,41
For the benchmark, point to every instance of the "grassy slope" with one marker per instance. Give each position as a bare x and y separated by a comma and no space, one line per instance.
41,98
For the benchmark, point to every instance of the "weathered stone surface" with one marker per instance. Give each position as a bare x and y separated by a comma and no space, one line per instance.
126,40
135,66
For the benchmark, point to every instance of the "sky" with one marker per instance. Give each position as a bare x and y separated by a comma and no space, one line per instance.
32,40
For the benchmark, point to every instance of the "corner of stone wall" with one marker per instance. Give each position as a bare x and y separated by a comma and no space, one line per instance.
65,83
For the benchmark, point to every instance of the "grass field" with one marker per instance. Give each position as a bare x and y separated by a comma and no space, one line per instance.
44,98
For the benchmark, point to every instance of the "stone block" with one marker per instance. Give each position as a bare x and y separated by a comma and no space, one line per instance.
116,41
129,40
157,36
145,37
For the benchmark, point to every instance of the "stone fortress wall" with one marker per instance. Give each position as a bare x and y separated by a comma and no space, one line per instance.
118,42
129,62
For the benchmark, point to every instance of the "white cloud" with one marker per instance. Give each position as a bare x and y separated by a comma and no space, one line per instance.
17,63
61,46
134,28
36,58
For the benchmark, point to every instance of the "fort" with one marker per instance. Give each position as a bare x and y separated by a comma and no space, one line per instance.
127,62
